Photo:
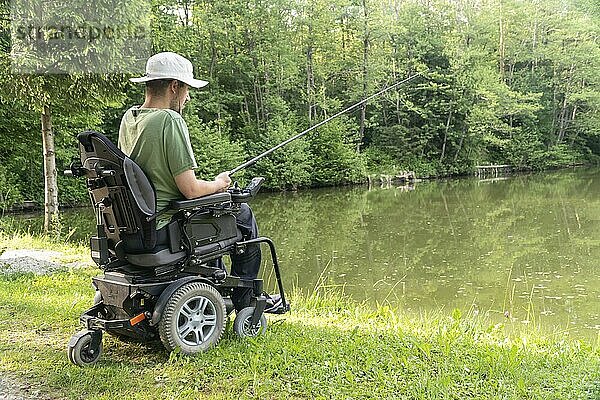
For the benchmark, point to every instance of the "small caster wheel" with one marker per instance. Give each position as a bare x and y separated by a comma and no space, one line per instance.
243,319
85,347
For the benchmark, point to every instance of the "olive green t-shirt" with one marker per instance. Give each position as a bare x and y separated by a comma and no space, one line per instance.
159,142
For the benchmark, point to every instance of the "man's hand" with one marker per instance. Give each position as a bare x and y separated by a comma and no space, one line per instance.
223,181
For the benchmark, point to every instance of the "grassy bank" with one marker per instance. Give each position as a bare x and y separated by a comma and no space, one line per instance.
328,347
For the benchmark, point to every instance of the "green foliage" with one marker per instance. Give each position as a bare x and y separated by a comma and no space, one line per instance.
508,82
20,169
333,156
380,162
555,156
214,150
9,190
288,168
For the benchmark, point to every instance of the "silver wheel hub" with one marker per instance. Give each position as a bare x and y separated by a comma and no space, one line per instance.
196,321
248,329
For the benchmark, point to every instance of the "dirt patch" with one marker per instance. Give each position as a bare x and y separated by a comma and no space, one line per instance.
11,390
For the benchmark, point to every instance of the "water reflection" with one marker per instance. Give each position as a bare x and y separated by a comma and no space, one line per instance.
523,248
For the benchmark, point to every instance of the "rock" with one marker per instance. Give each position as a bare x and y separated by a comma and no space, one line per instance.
29,261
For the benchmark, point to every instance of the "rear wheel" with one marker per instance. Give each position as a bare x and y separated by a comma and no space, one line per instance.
194,318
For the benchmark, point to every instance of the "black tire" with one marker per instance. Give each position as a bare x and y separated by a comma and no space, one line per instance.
241,324
193,319
83,353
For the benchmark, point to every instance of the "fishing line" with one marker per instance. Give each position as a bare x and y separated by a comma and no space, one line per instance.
348,109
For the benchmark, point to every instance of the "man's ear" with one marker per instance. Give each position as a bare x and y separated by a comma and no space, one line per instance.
174,85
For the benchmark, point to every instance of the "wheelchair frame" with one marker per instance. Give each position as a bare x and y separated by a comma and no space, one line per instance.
151,295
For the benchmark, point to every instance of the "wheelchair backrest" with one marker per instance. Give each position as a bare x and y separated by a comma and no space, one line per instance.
120,191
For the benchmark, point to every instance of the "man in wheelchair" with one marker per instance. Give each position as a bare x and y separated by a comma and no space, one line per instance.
161,254
156,137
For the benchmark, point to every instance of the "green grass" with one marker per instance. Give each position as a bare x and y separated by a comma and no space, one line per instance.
328,347
70,252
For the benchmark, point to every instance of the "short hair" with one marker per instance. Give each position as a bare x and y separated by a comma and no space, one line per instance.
158,87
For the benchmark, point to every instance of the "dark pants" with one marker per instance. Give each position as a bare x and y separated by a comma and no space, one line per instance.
247,264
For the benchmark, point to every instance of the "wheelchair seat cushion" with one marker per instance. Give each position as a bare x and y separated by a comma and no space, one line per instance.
161,257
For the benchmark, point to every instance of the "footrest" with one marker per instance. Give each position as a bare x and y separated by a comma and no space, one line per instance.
276,305
92,319
281,309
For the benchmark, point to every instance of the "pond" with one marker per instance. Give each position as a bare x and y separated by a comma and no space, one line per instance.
523,249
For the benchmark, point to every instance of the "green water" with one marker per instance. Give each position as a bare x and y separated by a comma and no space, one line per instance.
523,250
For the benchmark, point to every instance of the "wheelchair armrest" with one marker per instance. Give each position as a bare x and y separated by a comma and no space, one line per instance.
212,199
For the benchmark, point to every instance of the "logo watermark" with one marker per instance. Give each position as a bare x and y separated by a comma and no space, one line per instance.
106,36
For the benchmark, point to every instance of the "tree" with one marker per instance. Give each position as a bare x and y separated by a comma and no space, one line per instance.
507,81
51,71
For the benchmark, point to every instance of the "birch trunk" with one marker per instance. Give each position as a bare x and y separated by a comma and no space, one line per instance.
564,113
446,136
363,109
501,44
397,94
460,143
310,77
534,41
563,121
50,176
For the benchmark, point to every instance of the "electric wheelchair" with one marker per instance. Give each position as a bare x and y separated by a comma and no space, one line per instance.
177,291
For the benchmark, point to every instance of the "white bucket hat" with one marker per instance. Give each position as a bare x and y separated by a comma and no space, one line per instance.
169,65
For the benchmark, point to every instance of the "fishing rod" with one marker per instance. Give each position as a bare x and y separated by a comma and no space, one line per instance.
352,107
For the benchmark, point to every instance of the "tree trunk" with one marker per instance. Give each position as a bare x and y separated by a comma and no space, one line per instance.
213,56
460,143
395,67
363,108
446,135
573,136
564,113
50,182
246,116
310,76
396,92
554,100
185,18
534,41
563,121
266,94
501,49
257,111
